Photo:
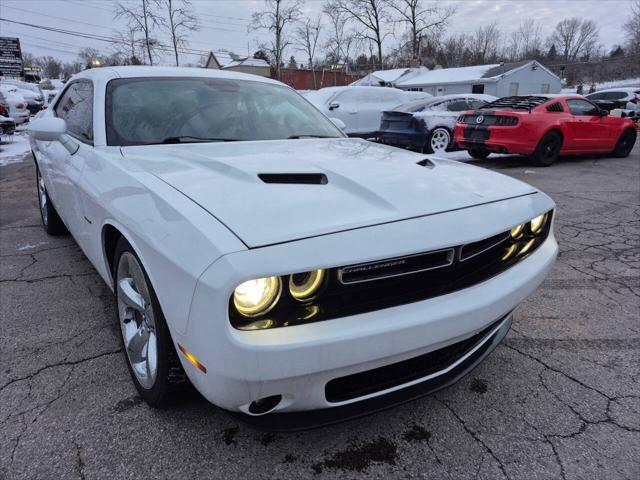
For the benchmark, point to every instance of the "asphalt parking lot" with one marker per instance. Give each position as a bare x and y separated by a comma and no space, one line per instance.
559,399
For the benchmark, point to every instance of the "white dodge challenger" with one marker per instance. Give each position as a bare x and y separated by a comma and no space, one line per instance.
278,266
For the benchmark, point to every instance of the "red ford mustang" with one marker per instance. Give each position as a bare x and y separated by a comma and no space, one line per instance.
543,127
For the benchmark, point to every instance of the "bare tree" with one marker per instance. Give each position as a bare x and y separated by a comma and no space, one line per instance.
338,32
307,35
421,18
276,17
575,38
485,43
632,28
142,18
371,15
179,22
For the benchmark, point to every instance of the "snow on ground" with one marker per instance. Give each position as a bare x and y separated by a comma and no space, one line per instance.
13,148
629,82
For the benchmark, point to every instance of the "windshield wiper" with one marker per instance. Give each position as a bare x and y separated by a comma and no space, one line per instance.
192,139
293,137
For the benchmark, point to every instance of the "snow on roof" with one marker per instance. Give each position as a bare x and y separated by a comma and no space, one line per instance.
388,76
247,62
449,75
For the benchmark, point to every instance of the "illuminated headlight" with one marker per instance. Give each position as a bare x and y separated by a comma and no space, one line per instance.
305,286
257,297
517,231
537,224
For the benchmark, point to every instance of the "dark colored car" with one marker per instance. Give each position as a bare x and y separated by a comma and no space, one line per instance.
7,125
427,124
543,127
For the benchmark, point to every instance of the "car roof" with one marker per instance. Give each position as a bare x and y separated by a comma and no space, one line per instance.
443,98
107,73
621,89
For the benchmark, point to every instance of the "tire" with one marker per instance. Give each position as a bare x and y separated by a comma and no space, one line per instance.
478,154
438,141
548,150
144,332
51,221
625,143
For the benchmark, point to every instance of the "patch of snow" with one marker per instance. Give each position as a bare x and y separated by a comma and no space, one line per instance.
448,75
30,246
14,148
438,117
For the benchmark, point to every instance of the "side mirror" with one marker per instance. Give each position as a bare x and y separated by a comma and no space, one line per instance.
333,106
602,112
338,123
47,129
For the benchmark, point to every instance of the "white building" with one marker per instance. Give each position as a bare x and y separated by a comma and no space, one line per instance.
500,80
223,60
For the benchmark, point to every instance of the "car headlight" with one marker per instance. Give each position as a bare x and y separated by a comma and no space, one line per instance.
537,223
258,296
517,231
305,286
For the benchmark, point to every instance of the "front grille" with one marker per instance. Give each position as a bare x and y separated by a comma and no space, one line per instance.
382,378
355,289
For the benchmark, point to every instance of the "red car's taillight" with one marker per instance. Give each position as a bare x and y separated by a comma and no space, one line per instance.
506,121
20,106
3,111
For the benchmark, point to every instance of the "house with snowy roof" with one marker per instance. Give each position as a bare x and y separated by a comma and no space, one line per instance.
500,80
389,78
225,60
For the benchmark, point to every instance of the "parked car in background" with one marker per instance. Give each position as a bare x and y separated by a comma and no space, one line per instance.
7,125
307,272
17,104
427,125
543,127
31,93
624,98
359,108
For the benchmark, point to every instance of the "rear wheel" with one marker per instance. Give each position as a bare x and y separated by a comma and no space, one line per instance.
548,150
625,143
479,154
51,221
151,356
438,141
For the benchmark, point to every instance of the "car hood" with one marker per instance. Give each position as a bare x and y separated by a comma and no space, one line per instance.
338,184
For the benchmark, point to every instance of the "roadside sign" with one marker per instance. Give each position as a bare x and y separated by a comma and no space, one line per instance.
10,57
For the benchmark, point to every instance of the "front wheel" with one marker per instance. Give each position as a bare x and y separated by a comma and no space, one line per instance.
548,150
625,143
51,221
151,357
438,141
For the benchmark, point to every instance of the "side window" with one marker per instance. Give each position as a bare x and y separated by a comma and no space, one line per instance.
581,107
457,105
597,96
615,95
475,104
76,108
477,88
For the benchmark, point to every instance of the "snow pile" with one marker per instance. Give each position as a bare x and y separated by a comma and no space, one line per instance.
438,117
14,148
449,75
629,82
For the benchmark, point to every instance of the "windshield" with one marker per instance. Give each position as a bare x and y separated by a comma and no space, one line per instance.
145,111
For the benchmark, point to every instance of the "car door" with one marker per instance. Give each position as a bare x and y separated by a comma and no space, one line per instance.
344,107
64,168
372,102
588,130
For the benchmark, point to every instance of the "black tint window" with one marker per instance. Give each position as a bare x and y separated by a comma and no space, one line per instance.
458,106
596,96
474,104
76,108
615,95
581,107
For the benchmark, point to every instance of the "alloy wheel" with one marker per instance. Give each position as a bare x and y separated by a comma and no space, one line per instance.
42,199
137,320
440,140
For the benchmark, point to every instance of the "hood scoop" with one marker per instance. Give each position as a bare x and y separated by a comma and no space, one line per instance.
294,178
426,163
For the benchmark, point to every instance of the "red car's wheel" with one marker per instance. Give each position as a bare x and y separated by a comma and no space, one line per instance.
625,143
548,150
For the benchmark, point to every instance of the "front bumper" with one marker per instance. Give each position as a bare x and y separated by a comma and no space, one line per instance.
298,362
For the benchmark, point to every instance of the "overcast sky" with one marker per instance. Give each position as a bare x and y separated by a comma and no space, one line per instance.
224,22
